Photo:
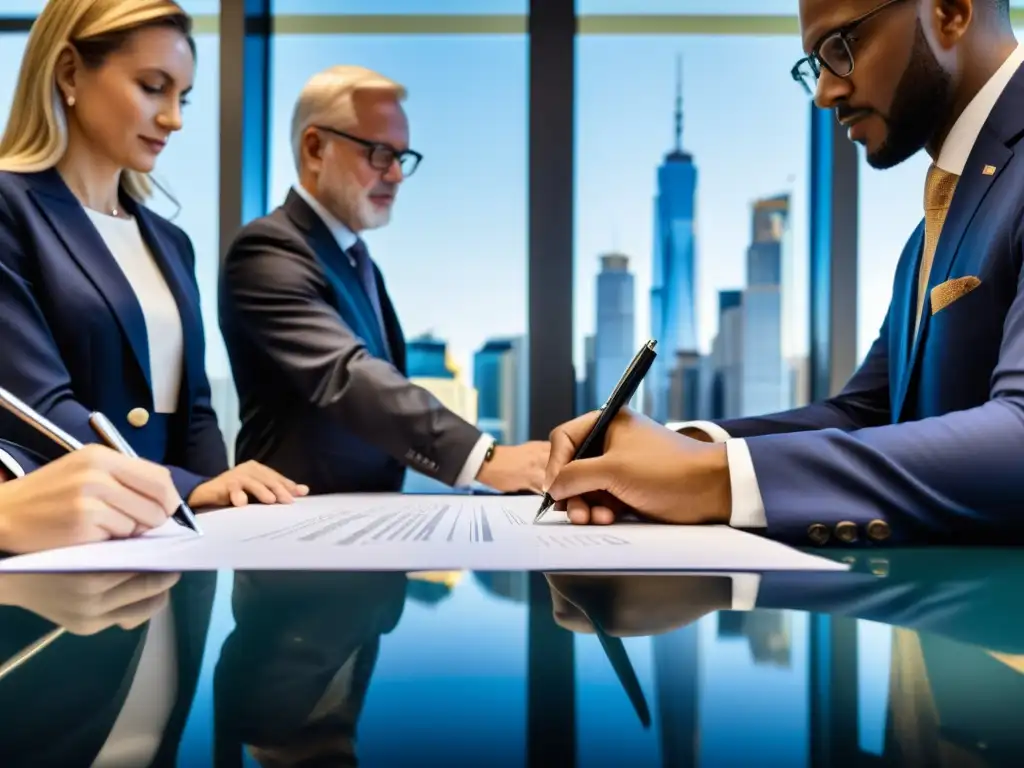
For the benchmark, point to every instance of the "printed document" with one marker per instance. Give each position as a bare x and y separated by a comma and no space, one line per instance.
422,533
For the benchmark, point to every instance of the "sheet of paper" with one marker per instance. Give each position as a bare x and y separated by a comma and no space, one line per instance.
422,533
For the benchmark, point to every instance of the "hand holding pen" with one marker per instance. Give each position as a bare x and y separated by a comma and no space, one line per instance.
592,430
119,479
91,495
646,470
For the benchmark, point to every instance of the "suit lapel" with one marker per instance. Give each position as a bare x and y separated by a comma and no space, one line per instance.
989,156
901,323
393,327
167,254
340,272
86,247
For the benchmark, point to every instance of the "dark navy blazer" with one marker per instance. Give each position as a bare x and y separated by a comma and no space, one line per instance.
73,334
928,435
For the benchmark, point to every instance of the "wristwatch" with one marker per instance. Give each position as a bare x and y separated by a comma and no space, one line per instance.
490,451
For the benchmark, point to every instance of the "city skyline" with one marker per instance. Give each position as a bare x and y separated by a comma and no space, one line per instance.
733,166
475,97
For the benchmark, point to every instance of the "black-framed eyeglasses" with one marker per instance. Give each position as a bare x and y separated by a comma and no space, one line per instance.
382,156
833,51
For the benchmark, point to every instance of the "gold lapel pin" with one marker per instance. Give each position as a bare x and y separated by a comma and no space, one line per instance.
988,170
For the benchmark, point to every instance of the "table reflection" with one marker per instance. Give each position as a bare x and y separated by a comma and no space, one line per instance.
910,659
116,687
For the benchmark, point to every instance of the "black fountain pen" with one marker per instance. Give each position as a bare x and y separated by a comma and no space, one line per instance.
593,445
101,426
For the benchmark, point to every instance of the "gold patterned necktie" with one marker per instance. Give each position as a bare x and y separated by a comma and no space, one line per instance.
938,194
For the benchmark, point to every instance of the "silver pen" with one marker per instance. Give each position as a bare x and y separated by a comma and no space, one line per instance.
100,424
105,429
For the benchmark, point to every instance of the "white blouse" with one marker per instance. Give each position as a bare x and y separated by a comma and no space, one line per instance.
139,729
163,321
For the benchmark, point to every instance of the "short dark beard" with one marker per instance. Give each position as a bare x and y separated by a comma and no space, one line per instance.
920,107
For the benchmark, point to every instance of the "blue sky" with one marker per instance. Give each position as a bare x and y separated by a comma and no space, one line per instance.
455,255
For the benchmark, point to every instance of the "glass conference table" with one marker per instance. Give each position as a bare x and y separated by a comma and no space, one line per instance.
911,658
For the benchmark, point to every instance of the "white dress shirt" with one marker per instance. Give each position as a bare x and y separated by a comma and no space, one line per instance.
747,505
346,238
163,322
745,587
7,462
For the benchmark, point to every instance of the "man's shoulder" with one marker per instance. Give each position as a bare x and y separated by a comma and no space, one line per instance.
274,229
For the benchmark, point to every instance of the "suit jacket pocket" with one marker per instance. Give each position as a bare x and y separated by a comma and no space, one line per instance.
945,294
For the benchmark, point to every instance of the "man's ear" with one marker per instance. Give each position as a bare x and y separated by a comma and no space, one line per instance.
313,147
950,20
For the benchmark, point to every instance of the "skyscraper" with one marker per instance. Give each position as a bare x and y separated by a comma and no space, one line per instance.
673,278
766,377
586,397
499,373
431,367
727,357
426,356
615,337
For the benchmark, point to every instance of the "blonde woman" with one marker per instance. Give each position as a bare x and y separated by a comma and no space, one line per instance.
99,308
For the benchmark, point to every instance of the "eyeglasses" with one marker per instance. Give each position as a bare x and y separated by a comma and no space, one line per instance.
833,52
381,156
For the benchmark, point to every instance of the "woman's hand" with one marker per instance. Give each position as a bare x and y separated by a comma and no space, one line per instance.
234,487
87,603
89,495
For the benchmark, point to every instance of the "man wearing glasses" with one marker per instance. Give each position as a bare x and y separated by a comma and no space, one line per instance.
925,443
315,345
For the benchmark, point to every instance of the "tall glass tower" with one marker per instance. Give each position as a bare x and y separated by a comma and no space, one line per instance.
673,279
615,339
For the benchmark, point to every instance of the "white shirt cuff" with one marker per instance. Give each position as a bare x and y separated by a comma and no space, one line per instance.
8,463
747,504
712,430
472,466
744,590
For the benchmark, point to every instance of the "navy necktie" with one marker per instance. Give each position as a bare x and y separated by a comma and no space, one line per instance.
364,267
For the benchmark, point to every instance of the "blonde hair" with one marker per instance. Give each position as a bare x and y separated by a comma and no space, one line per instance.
328,97
36,136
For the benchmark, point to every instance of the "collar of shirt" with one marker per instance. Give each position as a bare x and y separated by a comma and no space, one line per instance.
958,145
343,236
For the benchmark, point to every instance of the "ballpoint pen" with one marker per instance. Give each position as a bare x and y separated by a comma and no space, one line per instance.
106,430
29,651
103,428
593,444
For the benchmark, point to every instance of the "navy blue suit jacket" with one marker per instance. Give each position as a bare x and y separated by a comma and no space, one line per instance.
74,336
929,433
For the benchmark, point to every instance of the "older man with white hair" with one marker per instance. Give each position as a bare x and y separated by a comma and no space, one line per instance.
315,344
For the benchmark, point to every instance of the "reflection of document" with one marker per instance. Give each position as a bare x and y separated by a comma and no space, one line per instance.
422,533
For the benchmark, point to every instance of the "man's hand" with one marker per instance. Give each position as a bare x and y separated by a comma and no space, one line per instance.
87,603
516,467
90,495
645,468
233,488
635,606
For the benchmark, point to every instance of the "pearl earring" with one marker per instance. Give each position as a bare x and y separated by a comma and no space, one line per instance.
71,101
